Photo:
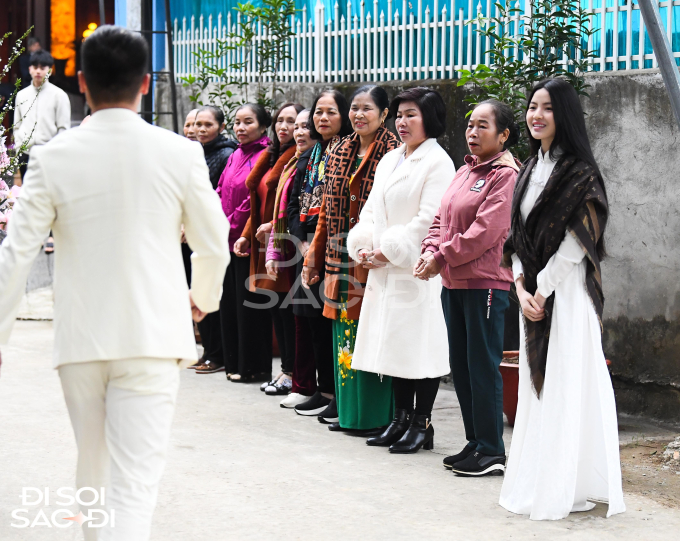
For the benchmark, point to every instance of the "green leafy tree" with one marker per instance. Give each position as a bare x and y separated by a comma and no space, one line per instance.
10,161
552,42
223,84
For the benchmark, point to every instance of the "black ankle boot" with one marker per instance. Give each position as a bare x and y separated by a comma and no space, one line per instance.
393,432
420,434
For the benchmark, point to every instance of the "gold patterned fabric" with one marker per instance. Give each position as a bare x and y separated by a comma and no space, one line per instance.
574,200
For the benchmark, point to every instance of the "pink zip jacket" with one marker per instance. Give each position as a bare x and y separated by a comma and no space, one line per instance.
232,188
472,223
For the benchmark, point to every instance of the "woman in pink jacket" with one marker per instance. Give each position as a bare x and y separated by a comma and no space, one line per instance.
247,350
465,245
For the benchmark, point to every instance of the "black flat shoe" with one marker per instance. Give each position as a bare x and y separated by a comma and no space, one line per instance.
335,427
420,434
449,461
330,414
393,433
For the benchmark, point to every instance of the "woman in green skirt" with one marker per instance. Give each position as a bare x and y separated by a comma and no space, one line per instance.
364,400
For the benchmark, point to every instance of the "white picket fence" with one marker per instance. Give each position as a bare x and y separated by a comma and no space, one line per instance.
434,44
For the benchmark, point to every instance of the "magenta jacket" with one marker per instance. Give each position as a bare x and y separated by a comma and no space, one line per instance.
472,223
232,188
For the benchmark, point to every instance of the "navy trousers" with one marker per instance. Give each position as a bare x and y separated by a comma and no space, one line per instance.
475,320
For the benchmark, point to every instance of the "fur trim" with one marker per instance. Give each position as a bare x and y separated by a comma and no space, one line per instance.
258,171
360,238
279,166
398,248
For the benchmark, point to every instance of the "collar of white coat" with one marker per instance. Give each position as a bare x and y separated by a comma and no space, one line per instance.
114,115
418,154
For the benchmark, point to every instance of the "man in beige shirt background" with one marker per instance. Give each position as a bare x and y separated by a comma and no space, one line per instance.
42,109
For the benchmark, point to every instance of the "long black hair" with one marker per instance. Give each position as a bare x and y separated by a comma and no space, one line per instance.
275,149
343,109
571,135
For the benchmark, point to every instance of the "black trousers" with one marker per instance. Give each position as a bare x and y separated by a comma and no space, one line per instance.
246,323
23,161
284,327
475,320
211,327
321,337
424,391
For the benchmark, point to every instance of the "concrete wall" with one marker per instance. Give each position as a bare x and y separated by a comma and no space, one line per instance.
637,145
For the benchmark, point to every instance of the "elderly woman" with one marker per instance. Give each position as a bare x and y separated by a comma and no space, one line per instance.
262,183
401,327
464,246
328,124
208,129
364,399
247,350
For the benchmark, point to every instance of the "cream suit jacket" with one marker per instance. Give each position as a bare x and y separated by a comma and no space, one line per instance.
115,192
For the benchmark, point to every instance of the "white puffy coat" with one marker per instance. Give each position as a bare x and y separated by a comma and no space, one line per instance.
401,327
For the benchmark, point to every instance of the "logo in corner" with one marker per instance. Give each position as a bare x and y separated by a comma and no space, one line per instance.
478,186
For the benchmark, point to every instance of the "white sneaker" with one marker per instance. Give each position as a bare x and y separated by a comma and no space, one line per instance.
293,399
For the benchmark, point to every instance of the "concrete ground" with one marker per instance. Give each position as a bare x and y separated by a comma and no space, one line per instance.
242,468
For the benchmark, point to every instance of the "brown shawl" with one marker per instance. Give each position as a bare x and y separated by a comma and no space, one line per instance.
341,211
573,200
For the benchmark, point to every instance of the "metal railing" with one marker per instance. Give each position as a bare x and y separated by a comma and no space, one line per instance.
428,44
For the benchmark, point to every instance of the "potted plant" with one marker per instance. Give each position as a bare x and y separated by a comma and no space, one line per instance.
510,373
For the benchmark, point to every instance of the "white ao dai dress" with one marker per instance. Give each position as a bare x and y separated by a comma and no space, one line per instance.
565,445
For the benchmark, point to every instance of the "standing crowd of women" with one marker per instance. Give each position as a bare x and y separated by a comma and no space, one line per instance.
381,269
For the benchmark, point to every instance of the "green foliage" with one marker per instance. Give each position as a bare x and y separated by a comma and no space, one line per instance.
553,42
9,163
274,18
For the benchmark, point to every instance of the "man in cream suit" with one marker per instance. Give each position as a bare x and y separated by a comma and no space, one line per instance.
115,193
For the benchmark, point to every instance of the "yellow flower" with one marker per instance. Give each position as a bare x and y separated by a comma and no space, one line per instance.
343,315
347,333
345,359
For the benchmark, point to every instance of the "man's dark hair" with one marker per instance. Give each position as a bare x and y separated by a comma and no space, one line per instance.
32,41
115,62
431,107
42,58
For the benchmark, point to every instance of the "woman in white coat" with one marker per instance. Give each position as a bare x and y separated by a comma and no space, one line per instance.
401,330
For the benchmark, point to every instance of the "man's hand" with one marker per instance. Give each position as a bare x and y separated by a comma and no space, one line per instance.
196,314
426,267
241,247
262,232
310,276
182,236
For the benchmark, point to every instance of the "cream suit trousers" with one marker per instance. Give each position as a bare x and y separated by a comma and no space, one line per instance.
121,412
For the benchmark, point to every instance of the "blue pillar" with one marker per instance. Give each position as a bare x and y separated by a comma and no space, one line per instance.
121,13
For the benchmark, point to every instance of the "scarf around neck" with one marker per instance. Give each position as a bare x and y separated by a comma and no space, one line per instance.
311,194
573,200
281,202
